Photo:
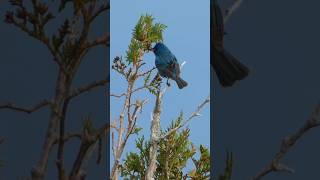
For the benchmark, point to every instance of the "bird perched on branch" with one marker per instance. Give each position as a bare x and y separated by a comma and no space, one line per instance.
227,67
167,64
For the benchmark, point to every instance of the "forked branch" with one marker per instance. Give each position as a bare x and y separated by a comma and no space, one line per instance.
288,143
32,109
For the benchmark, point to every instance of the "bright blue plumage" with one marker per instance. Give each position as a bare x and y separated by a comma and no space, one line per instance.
167,64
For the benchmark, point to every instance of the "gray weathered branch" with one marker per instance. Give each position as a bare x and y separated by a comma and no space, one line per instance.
104,40
154,139
32,109
88,88
88,140
236,4
193,115
288,143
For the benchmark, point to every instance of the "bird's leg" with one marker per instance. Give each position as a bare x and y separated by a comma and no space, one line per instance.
168,84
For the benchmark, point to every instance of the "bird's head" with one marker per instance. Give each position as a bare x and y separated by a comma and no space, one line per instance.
159,48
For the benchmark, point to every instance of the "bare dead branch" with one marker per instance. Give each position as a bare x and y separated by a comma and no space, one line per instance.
32,109
287,144
87,141
147,72
39,35
122,136
62,89
193,115
88,87
113,145
118,96
60,153
69,136
99,158
87,20
236,4
121,130
103,40
102,131
103,8
59,104
114,126
155,131
133,91
133,118
38,171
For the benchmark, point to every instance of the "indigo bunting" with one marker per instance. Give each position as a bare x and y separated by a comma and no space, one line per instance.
167,64
227,67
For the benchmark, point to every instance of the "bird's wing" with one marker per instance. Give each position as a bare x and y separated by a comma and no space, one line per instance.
174,59
169,73
174,68
177,68
159,62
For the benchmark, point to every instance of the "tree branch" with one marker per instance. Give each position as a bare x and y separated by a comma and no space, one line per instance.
38,19
104,40
41,37
287,144
135,90
132,118
194,114
236,4
118,147
147,72
118,96
26,110
60,153
87,141
87,88
68,137
154,139
103,8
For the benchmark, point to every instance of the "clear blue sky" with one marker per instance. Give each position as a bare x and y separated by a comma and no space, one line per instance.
188,37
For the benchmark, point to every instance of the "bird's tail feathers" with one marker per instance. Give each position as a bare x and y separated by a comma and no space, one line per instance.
181,83
228,68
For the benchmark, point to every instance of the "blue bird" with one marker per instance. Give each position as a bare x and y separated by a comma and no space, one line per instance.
167,64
